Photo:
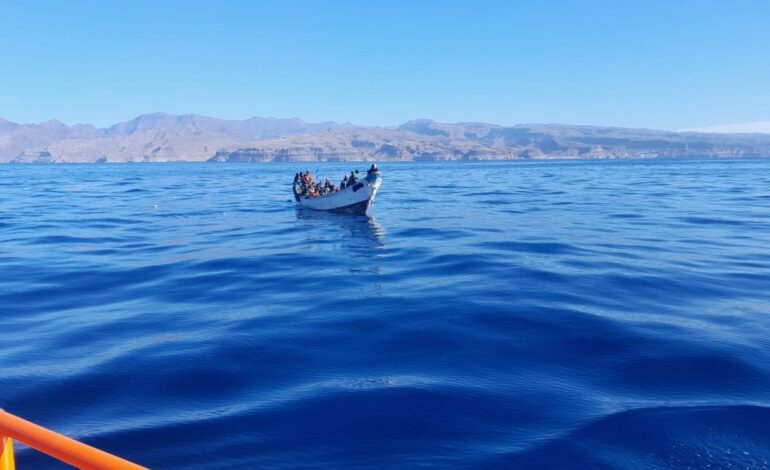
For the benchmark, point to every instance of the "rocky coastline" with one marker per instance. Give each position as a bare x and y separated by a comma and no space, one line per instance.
164,137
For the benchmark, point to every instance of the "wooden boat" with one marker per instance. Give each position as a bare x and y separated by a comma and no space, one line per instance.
354,199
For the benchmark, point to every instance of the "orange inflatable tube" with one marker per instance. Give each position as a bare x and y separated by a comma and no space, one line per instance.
56,445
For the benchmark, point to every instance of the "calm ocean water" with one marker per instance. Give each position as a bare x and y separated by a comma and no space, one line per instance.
519,315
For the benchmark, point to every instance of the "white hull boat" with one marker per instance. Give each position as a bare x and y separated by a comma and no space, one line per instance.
354,199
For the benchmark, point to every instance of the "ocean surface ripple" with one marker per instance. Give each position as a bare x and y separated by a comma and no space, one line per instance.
486,315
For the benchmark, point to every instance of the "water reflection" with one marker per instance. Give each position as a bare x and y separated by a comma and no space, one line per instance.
363,231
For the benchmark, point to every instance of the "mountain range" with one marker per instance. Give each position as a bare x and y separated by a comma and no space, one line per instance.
162,137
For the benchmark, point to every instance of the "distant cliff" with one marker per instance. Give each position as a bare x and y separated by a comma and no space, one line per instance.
164,137
158,137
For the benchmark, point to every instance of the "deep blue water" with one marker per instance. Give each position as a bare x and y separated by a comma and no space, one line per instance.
490,315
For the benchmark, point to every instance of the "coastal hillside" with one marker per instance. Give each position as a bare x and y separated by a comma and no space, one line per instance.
162,137
158,137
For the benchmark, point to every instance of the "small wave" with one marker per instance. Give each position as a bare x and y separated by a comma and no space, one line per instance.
427,232
530,247
668,437
711,221
65,240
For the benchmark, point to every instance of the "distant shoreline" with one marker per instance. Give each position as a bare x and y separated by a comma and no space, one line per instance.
164,137
401,162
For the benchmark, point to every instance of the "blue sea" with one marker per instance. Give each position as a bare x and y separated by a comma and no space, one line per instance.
592,314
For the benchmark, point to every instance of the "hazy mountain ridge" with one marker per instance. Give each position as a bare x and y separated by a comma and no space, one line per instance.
162,137
149,137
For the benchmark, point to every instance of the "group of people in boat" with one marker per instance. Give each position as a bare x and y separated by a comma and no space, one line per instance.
304,185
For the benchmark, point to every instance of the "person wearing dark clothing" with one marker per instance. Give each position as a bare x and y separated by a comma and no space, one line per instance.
372,169
344,183
297,186
352,179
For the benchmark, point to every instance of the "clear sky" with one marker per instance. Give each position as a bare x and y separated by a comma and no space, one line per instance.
646,63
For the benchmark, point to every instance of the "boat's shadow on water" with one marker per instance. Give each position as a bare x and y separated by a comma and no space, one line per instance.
360,231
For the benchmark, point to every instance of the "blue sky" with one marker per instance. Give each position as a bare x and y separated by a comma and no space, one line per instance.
657,64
